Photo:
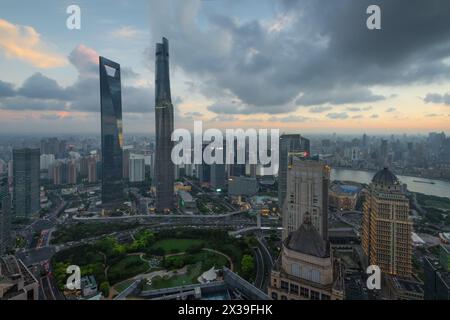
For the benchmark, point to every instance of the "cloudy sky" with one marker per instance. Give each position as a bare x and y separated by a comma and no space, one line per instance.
308,66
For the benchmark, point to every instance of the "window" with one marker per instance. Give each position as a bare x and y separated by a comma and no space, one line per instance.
296,271
294,288
284,285
274,296
325,297
315,295
315,276
304,292
283,298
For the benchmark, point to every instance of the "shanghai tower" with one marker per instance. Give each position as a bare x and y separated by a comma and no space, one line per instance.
112,137
164,167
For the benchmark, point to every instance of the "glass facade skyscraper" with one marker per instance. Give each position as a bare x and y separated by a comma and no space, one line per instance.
164,167
112,137
26,170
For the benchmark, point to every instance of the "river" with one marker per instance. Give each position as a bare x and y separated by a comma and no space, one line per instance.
439,188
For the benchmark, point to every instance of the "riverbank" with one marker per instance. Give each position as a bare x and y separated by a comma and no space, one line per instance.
403,174
434,187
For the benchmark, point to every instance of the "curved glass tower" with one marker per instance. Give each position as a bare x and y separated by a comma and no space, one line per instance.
112,138
164,167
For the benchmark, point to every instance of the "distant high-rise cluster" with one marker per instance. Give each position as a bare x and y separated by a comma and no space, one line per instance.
112,136
164,170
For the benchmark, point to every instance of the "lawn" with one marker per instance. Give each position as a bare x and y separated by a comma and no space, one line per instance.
126,268
176,245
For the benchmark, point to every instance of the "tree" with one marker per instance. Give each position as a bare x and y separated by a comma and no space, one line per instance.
104,288
247,266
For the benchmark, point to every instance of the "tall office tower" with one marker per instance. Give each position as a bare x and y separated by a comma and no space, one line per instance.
383,156
218,175
112,138
386,227
164,127
26,169
92,169
5,213
288,143
237,169
137,168
307,193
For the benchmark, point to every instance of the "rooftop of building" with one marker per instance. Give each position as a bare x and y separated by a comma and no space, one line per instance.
385,177
307,240
345,188
13,270
185,196
408,285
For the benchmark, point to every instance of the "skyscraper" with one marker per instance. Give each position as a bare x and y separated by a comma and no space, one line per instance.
137,168
5,213
307,193
26,168
164,169
288,143
92,169
386,228
112,138
306,268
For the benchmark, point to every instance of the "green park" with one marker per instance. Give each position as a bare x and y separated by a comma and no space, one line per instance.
165,259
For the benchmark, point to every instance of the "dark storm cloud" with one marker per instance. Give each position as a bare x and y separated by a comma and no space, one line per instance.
437,98
327,55
41,87
6,89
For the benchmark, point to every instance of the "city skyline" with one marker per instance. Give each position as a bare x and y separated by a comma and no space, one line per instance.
53,83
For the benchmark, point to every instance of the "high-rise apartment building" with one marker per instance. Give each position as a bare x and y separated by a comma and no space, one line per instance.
164,169
308,180
26,194
137,168
92,169
386,228
112,136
